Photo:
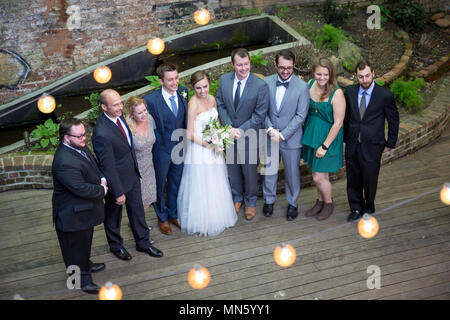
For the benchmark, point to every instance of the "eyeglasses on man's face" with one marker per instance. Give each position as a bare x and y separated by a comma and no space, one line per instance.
285,68
81,136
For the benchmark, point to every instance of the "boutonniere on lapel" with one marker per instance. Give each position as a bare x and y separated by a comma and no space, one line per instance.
184,94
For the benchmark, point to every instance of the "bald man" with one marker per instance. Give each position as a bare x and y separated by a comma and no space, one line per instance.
113,145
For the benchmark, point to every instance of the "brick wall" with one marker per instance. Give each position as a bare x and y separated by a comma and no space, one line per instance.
25,172
55,38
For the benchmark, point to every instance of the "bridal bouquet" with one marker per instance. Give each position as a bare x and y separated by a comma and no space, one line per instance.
218,136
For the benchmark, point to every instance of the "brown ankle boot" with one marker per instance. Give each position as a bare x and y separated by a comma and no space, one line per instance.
315,209
326,212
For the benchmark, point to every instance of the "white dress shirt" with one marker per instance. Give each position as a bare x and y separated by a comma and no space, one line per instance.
114,120
167,96
235,84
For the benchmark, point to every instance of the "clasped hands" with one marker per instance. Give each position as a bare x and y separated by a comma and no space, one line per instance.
274,135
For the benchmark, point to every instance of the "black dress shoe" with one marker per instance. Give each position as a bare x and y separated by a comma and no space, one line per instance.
91,288
291,213
95,267
268,209
122,254
154,252
354,215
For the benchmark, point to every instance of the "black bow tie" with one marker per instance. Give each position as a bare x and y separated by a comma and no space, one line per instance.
285,84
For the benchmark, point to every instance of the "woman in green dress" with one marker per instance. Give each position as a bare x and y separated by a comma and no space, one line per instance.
323,134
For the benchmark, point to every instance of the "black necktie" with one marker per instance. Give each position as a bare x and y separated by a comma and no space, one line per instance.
237,95
285,84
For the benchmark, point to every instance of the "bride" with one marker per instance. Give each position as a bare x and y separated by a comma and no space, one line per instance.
205,205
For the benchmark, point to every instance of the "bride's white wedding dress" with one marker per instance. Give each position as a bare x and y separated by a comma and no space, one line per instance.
205,204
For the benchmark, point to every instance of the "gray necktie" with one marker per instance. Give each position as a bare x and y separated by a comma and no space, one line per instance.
237,95
174,105
362,105
362,110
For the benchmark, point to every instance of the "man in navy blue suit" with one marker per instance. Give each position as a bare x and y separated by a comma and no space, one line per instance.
168,107
113,144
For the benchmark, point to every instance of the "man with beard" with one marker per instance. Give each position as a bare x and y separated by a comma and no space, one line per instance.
368,107
289,103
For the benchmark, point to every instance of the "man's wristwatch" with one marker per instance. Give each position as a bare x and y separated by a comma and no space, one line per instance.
324,147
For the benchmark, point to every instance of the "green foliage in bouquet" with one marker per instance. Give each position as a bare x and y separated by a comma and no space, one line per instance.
217,135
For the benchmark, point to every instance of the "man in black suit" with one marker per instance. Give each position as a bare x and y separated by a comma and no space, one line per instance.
113,145
368,107
77,200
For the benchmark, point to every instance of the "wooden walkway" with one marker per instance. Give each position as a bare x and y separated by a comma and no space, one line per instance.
412,248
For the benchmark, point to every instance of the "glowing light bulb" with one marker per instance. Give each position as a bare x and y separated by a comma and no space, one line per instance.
155,46
445,193
368,226
110,292
102,74
284,255
46,103
199,277
202,16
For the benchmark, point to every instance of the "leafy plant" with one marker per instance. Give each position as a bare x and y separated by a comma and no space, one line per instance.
248,12
154,81
335,14
380,83
407,93
94,100
47,134
409,15
282,11
257,59
329,37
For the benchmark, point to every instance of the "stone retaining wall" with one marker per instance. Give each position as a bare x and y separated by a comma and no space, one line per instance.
34,171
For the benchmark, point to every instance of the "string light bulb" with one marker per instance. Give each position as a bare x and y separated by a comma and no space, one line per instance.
199,277
445,193
110,291
102,74
284,255
46,103
202,16
155,46
368,226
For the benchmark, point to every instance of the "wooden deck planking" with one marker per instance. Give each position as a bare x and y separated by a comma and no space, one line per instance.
412,247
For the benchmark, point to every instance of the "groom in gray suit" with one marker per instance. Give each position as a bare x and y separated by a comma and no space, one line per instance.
289,103
242,101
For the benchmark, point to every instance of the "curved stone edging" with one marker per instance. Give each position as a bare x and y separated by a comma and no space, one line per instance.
433,69
397,70
34,171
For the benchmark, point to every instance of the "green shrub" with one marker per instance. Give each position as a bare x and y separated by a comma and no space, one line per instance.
94,100
248,12
47,134
408,14
329,37
407,93
154,81
335,14
258,60
282,11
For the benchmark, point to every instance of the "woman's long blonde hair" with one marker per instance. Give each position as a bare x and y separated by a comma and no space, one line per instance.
128,110
332,83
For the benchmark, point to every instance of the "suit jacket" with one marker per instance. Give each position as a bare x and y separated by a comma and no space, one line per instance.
293,110
371,128
117,159
253,104
165,120
77,192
